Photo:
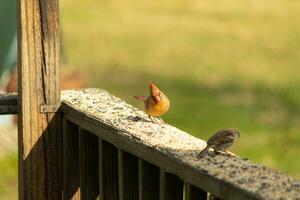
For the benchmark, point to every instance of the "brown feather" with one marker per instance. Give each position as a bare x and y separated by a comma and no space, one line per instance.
140,97
204,151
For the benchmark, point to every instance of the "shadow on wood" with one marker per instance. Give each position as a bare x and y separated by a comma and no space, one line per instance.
43,164
71,174
89,165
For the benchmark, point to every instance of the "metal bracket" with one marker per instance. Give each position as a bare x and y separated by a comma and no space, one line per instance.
8,109
49,108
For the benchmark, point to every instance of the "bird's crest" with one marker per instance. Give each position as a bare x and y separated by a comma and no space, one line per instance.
154,91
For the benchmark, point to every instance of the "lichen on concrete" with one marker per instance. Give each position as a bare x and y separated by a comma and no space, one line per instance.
264,182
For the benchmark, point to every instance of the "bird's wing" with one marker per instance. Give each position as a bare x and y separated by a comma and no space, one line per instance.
203,152
156,98
221,137
140,97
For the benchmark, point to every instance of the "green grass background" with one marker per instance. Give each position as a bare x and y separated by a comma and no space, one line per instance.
223,63
9,177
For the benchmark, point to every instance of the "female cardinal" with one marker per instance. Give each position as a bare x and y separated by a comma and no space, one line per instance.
220,141
156,104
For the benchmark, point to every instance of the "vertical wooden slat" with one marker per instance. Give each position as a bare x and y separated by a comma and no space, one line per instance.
212,197
88,159
162,184
171,187
71,180
121,175
128,176
148,181
39,137
193,193
101,176
108,171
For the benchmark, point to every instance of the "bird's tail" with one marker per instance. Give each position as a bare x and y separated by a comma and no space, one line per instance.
203,152
140,97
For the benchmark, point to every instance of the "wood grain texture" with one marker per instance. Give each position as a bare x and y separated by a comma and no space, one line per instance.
193,193
38,66
71,178
128,176
89,169
148,181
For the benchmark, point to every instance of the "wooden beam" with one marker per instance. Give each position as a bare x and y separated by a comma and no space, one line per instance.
71,178
148,181
156,157
8,103
88,162
38,84
173,150
162,184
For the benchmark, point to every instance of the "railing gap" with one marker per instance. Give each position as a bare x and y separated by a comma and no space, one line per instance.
212,197
108,171
89,169
71,180
128,176
171,187
148,181
193,193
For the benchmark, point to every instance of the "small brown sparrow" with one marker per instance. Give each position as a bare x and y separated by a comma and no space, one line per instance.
220,141
156,104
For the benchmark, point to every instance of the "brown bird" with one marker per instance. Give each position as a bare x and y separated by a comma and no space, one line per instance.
156,104
220,141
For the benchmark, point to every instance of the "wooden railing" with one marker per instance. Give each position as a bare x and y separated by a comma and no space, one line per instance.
112,151
142,160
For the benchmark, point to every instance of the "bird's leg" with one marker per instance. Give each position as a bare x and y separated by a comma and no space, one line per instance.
230,153
151,118
217,152
162,121
233,155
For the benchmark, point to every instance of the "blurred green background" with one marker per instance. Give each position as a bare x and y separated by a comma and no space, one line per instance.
223,63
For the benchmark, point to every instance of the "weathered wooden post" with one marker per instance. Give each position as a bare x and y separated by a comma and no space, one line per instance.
39,97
